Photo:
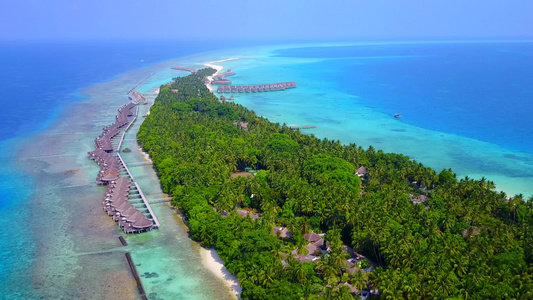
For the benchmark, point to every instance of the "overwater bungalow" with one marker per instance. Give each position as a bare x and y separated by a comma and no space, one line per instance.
227,73
125,209
110,175
143,224
116,200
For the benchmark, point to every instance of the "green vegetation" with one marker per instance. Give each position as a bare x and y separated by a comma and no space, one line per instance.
465,241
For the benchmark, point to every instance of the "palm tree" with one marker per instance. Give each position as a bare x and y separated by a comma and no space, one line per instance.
359,280
300,272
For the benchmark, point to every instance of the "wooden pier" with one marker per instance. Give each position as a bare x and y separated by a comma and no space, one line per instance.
125,166
147,204
295,127
140,83
255,88
138,188
136,276
128,127
181,68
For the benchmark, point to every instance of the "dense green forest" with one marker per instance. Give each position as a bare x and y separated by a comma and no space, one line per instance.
416,233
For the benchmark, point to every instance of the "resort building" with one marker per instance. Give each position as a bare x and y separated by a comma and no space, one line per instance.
116,202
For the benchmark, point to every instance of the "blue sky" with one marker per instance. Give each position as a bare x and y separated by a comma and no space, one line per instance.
57,19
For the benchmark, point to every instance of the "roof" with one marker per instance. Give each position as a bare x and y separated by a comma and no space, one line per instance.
143,223
129,212
319,243
361,171
135,217
110,175
282,232
243,213
419,199
312,237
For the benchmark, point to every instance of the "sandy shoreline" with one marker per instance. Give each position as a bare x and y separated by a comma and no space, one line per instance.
215,264
211,64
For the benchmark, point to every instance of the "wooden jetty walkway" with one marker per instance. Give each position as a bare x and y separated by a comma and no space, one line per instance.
255,88
295,127
147,204
136,276
221,78
181,68
140,83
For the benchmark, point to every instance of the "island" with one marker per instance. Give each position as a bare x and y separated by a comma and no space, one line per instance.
297,217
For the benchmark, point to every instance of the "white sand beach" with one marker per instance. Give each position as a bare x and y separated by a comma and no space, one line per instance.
212,64
215,264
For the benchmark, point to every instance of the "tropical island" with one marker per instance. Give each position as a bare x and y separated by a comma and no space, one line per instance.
297,217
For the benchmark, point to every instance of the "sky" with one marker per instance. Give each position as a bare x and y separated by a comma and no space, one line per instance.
271,19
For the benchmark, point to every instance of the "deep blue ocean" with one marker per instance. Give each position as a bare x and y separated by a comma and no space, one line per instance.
478,90
39,77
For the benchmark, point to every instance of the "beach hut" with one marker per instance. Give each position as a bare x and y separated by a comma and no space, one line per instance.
417,200
361,172
312,237
281,232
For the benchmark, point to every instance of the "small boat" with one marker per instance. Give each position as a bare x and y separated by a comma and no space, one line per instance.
397,116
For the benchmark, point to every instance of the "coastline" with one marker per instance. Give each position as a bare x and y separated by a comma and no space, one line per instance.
215,264
211,64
